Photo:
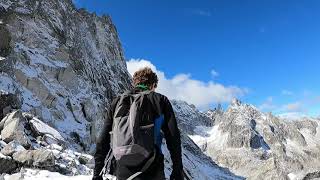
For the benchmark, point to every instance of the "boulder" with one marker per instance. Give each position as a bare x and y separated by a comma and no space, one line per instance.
11,148
40,128
13,128
85,159
38,158
49,139
7,164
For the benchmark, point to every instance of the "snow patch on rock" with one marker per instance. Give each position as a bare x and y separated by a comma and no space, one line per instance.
34,174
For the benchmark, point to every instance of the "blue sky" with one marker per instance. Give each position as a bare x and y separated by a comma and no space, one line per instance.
269,49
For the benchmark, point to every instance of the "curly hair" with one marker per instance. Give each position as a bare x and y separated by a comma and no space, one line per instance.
145,76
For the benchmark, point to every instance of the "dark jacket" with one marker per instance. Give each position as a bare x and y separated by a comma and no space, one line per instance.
171,134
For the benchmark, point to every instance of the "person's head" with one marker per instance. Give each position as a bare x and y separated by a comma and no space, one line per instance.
147,77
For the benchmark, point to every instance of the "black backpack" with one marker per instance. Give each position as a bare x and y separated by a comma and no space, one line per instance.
132,136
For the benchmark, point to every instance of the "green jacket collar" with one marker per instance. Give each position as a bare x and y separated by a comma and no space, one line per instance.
143,87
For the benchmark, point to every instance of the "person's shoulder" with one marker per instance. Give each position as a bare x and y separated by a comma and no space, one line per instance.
162,98
159,95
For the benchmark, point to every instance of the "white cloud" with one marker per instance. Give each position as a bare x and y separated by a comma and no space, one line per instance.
214,73
183,87
286,92
268,105
292,115
293,107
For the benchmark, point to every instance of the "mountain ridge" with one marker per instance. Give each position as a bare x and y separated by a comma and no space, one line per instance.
259,145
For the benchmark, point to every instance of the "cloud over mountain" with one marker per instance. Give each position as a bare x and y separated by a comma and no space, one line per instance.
184,87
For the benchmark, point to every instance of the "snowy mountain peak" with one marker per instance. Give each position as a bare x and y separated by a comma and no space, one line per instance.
235,102
258,145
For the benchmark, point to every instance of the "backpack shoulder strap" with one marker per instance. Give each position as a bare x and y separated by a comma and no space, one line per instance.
145,167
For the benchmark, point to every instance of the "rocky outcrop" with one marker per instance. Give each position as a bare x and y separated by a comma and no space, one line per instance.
46,147
64,65
187,114
35,158
256,145
48,133
12,148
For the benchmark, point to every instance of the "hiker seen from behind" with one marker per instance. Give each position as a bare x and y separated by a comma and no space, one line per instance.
129,146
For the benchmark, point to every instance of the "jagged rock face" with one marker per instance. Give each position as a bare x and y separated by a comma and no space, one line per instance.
199,166
188,116
258,145
64,64
53,155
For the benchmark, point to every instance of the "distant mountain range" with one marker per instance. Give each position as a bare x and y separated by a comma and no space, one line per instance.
253,144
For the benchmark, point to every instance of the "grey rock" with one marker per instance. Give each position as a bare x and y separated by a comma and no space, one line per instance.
11,148
65,64
49,139
13,129
40,128
37,158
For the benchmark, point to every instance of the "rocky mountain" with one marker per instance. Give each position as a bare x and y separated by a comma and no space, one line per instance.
63,64
60,67
257,145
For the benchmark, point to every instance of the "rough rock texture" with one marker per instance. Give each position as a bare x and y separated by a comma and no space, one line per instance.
64,64
11,148
42,129
36,158
189,114
258,145
13,128
44,150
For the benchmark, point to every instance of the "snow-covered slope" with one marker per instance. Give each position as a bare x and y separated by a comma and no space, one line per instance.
31,174
258,145
61,67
